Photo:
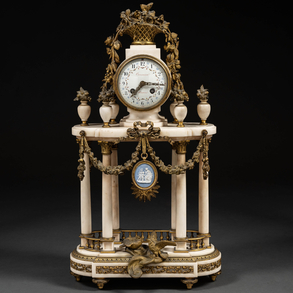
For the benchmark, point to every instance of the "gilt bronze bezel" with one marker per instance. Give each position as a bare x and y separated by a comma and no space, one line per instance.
144,56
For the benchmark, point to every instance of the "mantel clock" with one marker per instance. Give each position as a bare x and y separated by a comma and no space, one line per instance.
144,83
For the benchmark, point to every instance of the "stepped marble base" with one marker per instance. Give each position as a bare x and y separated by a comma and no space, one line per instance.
189,266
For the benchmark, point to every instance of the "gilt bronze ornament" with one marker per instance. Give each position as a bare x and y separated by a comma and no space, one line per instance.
143,255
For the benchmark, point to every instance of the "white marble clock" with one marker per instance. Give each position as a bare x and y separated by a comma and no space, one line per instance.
143,83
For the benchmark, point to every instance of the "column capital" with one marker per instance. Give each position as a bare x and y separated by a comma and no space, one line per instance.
106,147
181,146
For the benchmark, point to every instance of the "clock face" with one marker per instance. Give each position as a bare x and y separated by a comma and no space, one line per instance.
142,82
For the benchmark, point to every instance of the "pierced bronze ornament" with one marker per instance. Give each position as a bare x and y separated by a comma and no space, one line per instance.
143,26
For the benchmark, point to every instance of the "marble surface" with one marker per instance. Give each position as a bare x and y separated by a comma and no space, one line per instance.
151,50
122,254
192,130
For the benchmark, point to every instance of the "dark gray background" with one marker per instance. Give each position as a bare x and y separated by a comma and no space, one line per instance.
241,52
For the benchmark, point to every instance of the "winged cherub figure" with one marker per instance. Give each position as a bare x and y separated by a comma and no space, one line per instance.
144,255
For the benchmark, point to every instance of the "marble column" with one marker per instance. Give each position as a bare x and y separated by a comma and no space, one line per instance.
115,194
107,218
173,194
85,202
203,202
181,214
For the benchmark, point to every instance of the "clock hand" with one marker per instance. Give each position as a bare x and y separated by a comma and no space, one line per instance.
154,83
141,84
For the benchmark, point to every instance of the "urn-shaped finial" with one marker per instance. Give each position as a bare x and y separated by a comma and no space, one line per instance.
106,113
115,111
172,107
83,110
180,112
203,108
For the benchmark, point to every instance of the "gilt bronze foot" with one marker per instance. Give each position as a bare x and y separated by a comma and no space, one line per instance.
100,282
77,277
214,276
189,282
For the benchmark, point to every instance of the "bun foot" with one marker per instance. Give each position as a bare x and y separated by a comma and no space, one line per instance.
77,277
189,282
214,276
100,282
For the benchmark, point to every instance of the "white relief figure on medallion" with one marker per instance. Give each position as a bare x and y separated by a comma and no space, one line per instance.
145,176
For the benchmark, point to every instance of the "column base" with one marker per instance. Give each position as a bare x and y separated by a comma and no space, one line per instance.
181,245
116,235
107,245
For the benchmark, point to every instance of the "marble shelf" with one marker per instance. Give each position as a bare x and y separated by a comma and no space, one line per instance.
191,131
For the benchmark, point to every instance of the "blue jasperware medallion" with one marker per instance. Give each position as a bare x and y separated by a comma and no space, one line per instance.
144,175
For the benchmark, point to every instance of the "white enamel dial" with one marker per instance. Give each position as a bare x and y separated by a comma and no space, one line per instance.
142,82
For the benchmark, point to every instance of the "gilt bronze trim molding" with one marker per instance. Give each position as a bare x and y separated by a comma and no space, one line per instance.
146,270
81,267
209,267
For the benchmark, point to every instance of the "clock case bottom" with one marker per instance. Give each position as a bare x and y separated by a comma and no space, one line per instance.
104,266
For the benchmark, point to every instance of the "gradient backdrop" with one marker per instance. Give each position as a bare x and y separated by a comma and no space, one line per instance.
240,51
